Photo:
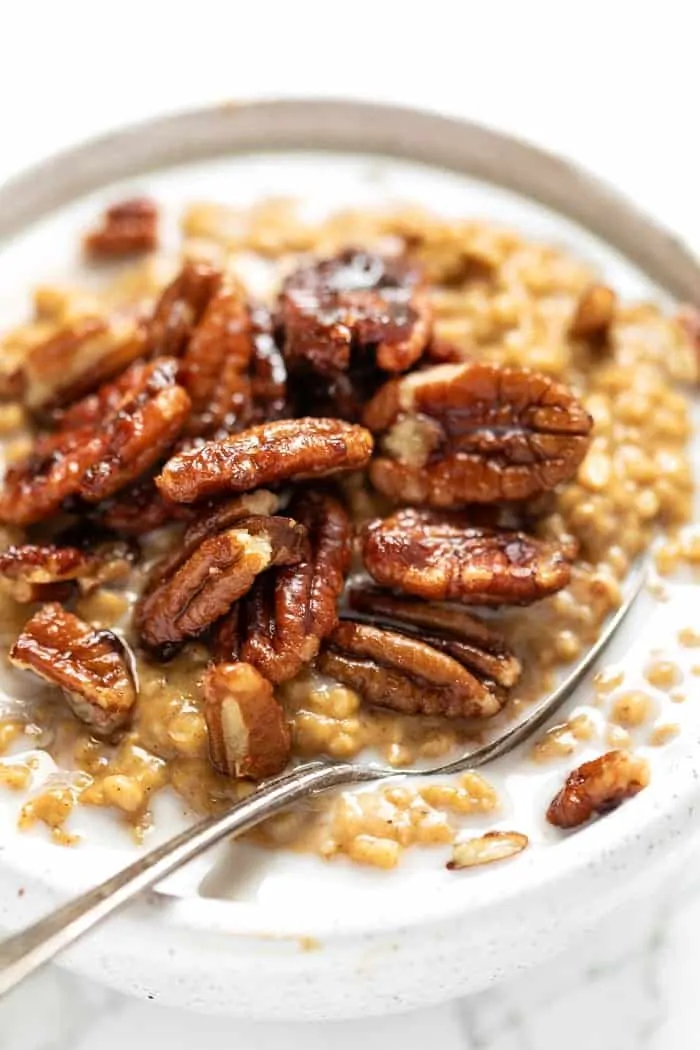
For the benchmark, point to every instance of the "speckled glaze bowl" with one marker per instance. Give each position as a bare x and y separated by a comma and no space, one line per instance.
264,934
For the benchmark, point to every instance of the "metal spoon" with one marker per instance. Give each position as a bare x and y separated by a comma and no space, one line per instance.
24,952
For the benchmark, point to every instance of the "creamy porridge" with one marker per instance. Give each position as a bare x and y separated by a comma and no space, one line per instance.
145,606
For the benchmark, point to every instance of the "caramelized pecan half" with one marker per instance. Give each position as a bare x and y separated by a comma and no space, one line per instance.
138,509
181,307
401,672
353,302
598,787
595,312
441,556
78,358
126,228
139,422
216,361
447,627
279,625
34,573
248,734
90,666
285,450
475,432
222,568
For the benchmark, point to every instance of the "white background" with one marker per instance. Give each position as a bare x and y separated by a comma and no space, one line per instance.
613,84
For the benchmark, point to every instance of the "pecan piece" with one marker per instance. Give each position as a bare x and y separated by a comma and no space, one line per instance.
486,849
91,667
138,509
34,573
181,307
448,627
441,556
222,568
598,787
215,363
284,450
78,358
354,301
143,426
139,423
286,614
268,373
248,734
595,312
475,432
401,672
126,228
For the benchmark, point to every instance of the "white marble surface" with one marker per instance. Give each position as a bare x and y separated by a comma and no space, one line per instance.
613,90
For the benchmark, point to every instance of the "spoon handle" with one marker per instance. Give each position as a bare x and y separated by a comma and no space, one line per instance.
24,952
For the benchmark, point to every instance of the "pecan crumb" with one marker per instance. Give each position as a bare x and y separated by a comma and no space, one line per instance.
486,849
595,312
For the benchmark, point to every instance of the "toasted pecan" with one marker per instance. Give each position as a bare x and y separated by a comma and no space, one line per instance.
91,667
248,734
404,673
287,613
220,570
597,787
475,433
126,228
285,450
439,555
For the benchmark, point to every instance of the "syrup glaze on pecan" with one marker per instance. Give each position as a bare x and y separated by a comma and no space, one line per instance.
597,787
447,627
402,672
222,568
126,228
279,625
47,572
351,303
90,666
285,450
248,734
180,308
440,556
140,421
475,433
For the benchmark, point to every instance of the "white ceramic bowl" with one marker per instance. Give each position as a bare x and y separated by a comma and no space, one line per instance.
260,934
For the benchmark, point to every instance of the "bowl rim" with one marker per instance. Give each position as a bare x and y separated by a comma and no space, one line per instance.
466,148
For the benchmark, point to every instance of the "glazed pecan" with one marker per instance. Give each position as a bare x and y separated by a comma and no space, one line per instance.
285,450
475,432
248,734
216,361
180,308
595,312
126,228
353,302
91,667
34,573
138,509
268,373
279,625
447,627
440,556
138,424
143,426
204,586
598,787
404,673
78,358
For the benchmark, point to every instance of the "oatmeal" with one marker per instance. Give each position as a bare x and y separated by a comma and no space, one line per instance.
367,507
